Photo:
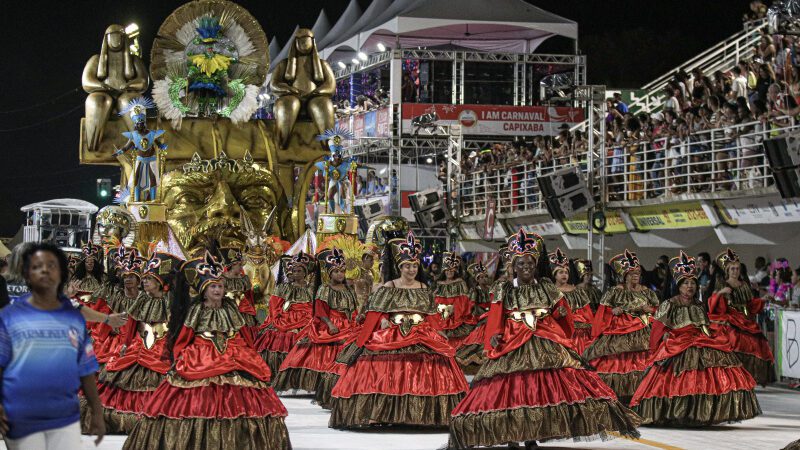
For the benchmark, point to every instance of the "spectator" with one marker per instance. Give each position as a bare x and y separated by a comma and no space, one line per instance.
620,106
760,275
794,294
40,333
739,84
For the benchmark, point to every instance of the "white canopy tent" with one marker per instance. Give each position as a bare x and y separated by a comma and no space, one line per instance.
496,26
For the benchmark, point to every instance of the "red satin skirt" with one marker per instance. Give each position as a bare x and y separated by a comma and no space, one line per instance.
202,360
476,337
105,349
582,338
155,358
745,342
123,401
421,374
274,340
533,389
663,382
213,402
621,363
316,357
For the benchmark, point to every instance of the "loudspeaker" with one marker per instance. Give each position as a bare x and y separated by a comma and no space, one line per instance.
370,209
783,151
432,217
565,193
424,200
561,182
787,181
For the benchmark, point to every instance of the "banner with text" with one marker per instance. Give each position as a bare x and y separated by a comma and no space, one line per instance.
369,124
669,217
787,343
490,120
758,211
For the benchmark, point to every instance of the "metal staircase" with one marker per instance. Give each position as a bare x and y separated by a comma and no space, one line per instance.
722,56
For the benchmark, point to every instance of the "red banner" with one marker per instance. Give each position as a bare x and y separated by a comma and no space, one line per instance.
488,223
492,120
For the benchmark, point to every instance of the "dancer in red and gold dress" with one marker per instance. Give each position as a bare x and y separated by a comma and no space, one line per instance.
216,396
732,310
621,329
534,386
586,281
130,378
470,354
694,379
577,298
311,365
88,275
403,371
290,310
238,287
452,301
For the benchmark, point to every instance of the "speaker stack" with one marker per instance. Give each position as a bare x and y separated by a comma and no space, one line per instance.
428,207
565,193
783,156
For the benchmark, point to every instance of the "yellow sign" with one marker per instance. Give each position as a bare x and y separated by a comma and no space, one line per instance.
614,225
669,217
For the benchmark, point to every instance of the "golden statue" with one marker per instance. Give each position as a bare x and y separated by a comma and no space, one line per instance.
114,224
206,201
261,251
302,81
112,79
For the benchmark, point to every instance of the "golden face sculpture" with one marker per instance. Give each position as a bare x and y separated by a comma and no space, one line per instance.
206,205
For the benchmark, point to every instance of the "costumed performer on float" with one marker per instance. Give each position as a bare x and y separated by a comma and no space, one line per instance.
337,172
148,146
577,297
87,280
401,371
621,328
695,378
216,396
534,386
732,309
290,310
311,364
129,379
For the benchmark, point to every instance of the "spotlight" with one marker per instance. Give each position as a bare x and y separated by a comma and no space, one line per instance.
381,47
429,160
132,30
362,56
341,65
356,61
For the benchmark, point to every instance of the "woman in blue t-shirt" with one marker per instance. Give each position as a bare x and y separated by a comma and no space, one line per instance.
41,334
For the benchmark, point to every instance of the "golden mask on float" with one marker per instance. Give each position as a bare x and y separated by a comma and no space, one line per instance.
208,199
205,194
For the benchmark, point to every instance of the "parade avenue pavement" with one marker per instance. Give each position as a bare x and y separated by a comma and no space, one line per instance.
775,428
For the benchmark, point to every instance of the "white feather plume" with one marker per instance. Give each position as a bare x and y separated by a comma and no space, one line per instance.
247,107
173,57
187,32
165,106
236,33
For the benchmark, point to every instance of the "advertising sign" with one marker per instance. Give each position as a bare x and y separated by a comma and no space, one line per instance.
494,120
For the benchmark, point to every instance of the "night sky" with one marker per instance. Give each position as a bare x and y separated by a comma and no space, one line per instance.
47,44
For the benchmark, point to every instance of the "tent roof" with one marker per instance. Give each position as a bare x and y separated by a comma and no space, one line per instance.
63,203
343,25
322,26
274,48
284,51
499,25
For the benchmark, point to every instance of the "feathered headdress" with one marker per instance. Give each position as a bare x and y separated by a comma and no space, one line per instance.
523,243
137,108
558,261
201,272
727,257
624,263
335,136
683,267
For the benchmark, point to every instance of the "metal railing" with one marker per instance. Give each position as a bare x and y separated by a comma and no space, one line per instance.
722,56
704,163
